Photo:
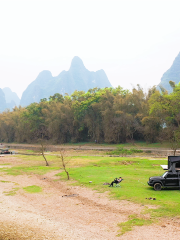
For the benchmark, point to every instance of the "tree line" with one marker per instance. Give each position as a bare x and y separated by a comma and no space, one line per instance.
110,115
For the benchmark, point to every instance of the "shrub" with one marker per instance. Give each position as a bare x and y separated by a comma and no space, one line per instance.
124,151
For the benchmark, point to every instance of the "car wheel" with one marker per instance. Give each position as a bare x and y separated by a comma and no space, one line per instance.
157,187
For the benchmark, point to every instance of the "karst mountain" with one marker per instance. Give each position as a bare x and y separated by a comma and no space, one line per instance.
8,99
76,78
172,74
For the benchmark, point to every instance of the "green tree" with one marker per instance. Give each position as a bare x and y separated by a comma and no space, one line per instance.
167,108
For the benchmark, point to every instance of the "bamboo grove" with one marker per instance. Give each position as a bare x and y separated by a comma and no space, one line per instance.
100,115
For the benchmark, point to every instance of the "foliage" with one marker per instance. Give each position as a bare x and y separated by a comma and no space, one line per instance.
99,115
165,110
124,151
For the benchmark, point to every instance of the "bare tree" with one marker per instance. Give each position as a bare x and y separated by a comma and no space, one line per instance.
41,136
43,148
171,135
64,161
175,141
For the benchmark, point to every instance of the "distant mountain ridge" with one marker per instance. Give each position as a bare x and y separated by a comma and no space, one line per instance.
76,78
11,97
3,104
172,74
8,99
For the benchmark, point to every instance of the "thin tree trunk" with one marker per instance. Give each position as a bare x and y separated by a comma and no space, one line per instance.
47,164
64,166
174,152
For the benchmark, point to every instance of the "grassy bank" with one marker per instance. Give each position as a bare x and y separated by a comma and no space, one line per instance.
134,187
99,170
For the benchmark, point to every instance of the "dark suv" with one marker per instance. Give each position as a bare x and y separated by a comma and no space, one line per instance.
168,179
5,151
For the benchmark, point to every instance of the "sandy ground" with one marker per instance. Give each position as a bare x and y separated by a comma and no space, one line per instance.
64,211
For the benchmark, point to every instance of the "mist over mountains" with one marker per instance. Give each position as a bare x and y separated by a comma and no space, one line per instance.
45,85
76,78
8,99
172,74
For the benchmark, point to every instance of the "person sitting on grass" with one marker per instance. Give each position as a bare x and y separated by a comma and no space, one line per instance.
116,180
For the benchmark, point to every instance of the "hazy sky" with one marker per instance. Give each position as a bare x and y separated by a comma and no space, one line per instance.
134,41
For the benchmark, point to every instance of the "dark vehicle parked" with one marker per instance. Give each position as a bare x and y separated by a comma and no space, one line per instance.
5,151
168,179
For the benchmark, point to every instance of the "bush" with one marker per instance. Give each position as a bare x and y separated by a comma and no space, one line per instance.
124,151
148,151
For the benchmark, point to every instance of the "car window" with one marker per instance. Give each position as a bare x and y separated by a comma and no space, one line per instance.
164,175
171,175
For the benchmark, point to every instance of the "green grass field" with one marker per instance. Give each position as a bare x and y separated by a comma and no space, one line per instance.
134,187
128,145
134,170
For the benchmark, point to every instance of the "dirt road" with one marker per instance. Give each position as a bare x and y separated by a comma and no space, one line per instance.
63,211
98,147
